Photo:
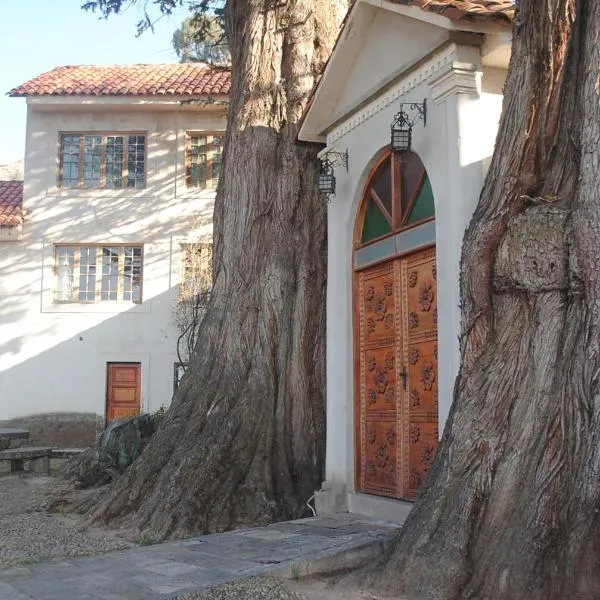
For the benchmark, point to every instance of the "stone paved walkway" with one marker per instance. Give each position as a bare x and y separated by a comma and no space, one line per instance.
292,548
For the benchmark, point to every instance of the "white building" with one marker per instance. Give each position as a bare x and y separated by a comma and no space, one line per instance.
395,227
121,166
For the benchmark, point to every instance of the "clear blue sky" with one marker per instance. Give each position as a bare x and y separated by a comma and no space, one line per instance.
38,35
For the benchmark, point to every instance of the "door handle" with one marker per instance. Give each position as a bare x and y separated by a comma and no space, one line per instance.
404,375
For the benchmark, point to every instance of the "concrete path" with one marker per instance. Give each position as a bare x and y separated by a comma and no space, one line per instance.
292,549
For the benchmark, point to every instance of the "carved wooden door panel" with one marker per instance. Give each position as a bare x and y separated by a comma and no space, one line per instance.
420,357
396,407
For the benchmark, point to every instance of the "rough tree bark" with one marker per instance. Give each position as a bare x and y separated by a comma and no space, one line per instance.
243,441
511,509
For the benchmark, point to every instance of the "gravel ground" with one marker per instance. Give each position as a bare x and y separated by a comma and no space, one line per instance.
270,588
257,588
29,534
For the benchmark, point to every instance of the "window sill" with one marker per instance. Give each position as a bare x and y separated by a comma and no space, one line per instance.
97,308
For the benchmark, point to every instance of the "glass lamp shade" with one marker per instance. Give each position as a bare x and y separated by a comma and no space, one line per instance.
326,182
401,138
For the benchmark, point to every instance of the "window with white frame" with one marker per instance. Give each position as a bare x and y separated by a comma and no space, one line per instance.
102,160
203,155
98,273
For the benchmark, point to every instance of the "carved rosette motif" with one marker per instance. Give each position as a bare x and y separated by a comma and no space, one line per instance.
415,398
372,436
370,470
381,456
427,455
389,394
412,279
426,297
427,376
371,364
415,434
413,320
372,396
413,356
390,436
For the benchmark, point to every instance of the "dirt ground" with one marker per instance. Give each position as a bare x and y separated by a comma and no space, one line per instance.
323,589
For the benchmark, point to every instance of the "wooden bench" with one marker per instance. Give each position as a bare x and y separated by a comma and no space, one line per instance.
39,458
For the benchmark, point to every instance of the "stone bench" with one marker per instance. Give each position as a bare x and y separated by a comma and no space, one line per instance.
66,452
39,458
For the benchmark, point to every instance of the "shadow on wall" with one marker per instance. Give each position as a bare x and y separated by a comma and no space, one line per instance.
60,393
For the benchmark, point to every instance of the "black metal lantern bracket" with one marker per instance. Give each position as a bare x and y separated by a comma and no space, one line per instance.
326,179
335,158
402,124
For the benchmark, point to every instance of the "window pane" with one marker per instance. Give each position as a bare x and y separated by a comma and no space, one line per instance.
114,161
424,206
382,184
65,262
412,170
136,149
110,274
217,152
132,273
198,152
375,224
70,160
92,147
87,274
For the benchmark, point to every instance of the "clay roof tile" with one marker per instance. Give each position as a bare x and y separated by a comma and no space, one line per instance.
11,203
475,10
185,79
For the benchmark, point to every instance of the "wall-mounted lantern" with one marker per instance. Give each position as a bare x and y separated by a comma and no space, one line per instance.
327,163
402,125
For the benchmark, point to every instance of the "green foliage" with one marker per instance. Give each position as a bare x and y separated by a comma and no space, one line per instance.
155,9
201,37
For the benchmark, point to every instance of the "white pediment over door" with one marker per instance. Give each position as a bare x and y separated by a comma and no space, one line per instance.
391,44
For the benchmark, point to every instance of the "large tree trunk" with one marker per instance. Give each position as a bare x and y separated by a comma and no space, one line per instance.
511,509
243,441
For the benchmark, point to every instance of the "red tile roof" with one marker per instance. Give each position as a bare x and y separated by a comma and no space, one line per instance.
479,10
183,79
11,203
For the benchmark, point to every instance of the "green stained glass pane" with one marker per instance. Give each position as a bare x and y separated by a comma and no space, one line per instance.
424,206
375,224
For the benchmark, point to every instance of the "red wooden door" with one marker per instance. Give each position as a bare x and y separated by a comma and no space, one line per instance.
123,390
396,380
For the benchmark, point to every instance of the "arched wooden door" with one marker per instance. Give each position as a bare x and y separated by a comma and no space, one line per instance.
395,329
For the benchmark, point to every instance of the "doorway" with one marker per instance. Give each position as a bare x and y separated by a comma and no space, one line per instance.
395,330
123,390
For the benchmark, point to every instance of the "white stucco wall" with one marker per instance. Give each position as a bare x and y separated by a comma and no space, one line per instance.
455,147
53,357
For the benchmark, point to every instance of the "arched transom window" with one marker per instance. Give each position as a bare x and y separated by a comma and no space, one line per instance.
398,196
